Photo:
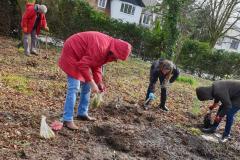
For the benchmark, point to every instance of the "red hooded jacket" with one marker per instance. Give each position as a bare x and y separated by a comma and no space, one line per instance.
85,53
29,18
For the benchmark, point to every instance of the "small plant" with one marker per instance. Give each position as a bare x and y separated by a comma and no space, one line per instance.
194,131
196,107
97,99
16,82
187,80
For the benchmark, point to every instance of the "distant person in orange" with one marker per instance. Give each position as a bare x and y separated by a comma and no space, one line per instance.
32,21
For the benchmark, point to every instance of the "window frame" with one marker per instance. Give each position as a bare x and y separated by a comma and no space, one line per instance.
146,17
234,44
127,8
100,3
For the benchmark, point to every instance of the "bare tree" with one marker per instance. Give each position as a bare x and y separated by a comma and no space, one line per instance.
220,16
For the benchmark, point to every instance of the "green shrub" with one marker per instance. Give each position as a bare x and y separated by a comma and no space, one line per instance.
187,80
193,56
198,58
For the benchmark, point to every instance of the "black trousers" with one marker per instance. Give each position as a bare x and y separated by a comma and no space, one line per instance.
163,97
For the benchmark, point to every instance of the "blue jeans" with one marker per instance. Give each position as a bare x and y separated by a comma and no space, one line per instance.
230,118
72,90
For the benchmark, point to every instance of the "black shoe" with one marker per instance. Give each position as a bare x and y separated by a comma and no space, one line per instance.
164,108
209,130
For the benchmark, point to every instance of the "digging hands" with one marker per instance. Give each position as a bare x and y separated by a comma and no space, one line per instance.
211,107
101,87
151,96
94,87
46,29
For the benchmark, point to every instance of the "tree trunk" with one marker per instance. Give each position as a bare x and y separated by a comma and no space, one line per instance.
213,41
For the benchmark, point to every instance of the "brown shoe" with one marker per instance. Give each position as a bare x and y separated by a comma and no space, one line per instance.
70,125
85,118
34,52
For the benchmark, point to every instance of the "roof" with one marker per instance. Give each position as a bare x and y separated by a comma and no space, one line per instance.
135,2
150,2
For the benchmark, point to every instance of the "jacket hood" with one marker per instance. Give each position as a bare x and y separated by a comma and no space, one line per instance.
121,49
204,93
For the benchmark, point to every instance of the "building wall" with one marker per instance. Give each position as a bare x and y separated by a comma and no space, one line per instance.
226,45
225,42
116,14
93,3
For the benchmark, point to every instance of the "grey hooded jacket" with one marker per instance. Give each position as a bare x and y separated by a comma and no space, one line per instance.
225,91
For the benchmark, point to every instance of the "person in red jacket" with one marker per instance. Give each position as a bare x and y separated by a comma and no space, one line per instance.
32,21
82,58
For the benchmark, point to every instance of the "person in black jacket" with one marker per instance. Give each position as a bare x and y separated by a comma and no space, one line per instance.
228,93
166,72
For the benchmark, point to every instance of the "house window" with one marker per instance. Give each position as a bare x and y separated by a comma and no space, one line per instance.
127,8
102,3
146,19
234,44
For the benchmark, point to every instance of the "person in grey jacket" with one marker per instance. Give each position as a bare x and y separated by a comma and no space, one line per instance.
166,72
228,93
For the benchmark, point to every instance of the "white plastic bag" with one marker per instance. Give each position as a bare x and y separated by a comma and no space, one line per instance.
45,131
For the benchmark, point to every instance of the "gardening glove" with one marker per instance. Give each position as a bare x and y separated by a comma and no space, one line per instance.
101,87
151,96
213,106
217,119
25,29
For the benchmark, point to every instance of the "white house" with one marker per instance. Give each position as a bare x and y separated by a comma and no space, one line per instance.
132,11
126,10
231,41
148,17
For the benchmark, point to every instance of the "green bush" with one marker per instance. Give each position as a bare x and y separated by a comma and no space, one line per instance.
198,58
194,55
224,64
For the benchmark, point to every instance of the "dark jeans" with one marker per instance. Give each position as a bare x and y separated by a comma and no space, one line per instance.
229,120
163,98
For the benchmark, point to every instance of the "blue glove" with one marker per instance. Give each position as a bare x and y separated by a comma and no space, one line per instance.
151,96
